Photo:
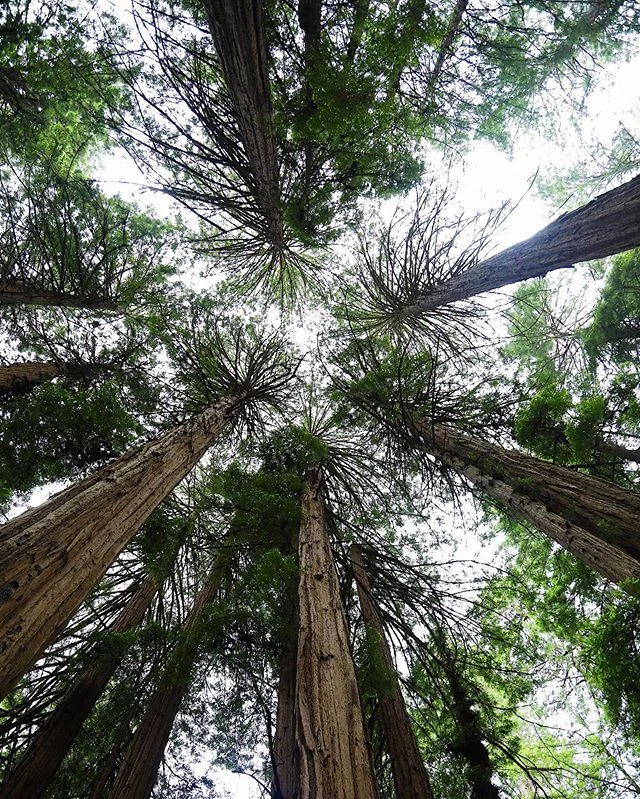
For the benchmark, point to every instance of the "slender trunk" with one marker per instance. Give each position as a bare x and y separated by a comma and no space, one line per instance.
137,775
52,555
334,757
12,294
238,33
620,453
469,740
592,518
285,770
607,225
110,763
21,378
410,777
41,761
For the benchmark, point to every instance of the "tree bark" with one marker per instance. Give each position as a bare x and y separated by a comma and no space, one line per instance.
333,752
11,294
469,740
607,225
592,518
41,761
51,556
20,378
410,777
139,770
285,777
238,33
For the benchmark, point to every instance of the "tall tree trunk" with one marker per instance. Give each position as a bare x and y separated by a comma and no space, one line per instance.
110,762
51,556
333,752
41,761
469,739
285,769
20,378
238,33
618,452
607,225
410,777
594,519
13,294
138,773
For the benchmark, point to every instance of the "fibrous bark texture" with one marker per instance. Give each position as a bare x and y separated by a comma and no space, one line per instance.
238,33
51,556
41,761
137,775
607,225
285,776
334,757
410,777
594,519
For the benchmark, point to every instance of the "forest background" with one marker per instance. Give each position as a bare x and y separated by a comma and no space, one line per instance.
291,420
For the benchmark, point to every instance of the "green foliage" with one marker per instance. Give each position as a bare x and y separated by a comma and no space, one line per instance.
539,424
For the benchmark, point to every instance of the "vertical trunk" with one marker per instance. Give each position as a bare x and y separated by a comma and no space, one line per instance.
238,32
410,777
592,518
607,225
334,757
52,555
285,771
137,775
469,740
41,761
14,294
20,378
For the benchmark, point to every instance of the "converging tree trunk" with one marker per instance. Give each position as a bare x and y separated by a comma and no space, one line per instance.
20,378
13,294
285,767
52,555
41,761
238,32
594,519
334,756
469,735
607,225
139,770
410,777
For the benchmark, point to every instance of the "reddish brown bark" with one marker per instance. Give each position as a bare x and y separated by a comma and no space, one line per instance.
20,378
139,770
410,777
238,33
594,519
334,758
12,294
52,555
285,777
607,225
41,761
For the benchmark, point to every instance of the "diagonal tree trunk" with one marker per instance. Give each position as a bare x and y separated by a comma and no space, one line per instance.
594,519
333,752
410,777
52,555
41,761
238,33
20,378
13,294
607,225
138,773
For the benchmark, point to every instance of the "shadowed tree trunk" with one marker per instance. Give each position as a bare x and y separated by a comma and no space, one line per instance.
51,556
20,378
137,775
594,519
110,763
13,294
41,761
607,225
285,768
410,777
333,752
237,27
469,739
